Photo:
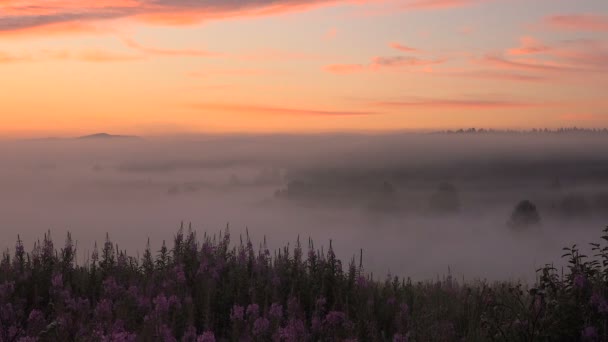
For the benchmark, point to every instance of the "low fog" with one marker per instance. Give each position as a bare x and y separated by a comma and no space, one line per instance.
417,204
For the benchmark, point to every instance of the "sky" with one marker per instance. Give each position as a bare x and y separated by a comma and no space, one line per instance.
162,67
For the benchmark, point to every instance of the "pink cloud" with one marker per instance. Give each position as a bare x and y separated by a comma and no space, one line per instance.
440,4
383,63
277,110
580,117
529,46
456,104
501,76
169,52
578,22
403,48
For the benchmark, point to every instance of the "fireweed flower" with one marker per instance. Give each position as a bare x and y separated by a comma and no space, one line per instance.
315,324
57,281
260,326
111,288
237,313
391,301
294,331
36,321
580,281
167,334
589,334
276,311
599,302
361,282
207,336
189,335
253,310
103,310
335,319
400,338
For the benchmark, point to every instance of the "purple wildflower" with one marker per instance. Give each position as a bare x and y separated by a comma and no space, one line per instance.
57,281
189,334
335,319
260,326
167,334
207,336
253,310
103,311
237,313
400,338
580,281
276,311
36,321
589,334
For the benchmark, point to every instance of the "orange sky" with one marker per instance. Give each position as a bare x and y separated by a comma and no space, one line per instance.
159,67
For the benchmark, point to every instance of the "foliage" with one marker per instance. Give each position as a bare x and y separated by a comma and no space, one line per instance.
217,290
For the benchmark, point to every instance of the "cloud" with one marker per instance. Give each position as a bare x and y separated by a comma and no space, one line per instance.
581,117
578,22
253,109
28,14
456,104
500,75
35,15
440,4
87,55
229,72
169,52
529,46
403,48
383,63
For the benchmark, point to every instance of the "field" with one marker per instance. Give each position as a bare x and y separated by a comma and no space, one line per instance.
212,288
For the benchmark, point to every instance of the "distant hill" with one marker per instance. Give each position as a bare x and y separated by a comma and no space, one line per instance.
106,136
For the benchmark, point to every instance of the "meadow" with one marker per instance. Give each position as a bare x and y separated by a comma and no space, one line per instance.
213,288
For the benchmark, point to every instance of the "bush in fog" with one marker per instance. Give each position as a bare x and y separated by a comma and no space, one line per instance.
215,290
445,200
574,206
524,215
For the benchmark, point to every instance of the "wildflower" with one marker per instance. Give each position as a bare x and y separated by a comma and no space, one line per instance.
400,338
237,313
391,301
161,304
589,334
104,309
57,281
276,311
315,325
580,281
599,302
207,336
167,334
189,334
253,310
335,318
321,301
111,288
275,281
294,331
260,326
180,275
361,282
